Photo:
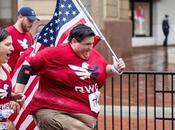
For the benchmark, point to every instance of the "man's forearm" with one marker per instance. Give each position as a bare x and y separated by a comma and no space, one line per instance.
19,88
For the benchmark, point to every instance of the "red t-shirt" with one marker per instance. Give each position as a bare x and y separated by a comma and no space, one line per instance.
21,41
5,88
67,82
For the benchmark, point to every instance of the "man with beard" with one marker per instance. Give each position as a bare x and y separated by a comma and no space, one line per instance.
21,37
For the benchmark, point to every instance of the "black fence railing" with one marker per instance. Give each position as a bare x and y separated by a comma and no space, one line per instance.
141,100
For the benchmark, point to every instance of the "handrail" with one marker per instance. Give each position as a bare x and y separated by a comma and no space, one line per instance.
148,72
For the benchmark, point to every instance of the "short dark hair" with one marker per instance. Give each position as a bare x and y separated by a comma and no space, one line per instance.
3,34
80,32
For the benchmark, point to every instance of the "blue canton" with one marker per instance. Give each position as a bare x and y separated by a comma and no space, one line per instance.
65,11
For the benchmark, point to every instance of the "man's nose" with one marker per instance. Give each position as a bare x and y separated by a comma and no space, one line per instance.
90,46
12,48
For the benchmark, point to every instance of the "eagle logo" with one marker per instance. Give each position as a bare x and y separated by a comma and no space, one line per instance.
4,92
23,43
84,71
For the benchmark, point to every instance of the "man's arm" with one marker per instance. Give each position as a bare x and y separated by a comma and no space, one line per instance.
23,77
22,80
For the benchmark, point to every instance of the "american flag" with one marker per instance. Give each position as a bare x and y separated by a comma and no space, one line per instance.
68,14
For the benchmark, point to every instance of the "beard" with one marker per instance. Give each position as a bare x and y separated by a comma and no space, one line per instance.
24,27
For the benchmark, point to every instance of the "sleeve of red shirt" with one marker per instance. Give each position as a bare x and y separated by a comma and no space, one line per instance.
37,62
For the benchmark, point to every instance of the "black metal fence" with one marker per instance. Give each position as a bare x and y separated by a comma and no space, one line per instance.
138,101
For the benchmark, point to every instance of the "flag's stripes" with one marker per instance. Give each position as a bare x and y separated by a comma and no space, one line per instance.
24,112
31,126
28,91
66,29
32,83
33,87
28,120
15,76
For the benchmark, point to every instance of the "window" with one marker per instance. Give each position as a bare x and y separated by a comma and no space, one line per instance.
141,18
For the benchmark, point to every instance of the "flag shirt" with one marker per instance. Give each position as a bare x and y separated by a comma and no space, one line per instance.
5,94
68,82
20,42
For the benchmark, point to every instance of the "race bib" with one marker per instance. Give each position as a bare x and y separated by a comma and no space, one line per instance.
4,125
93,101
4,115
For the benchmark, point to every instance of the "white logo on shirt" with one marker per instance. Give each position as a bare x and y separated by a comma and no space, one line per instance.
82,71
23,43
87,89
4,91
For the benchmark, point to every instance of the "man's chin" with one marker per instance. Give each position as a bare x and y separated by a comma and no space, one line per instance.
26,30
86,56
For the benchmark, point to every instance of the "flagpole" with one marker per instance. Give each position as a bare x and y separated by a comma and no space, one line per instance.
97,29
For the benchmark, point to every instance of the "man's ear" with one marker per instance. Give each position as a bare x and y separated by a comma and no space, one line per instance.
73,40
20,17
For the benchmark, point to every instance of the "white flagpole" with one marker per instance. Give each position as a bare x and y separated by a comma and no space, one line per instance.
97,29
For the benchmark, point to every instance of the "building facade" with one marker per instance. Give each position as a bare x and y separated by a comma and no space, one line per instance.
111,16
124,23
